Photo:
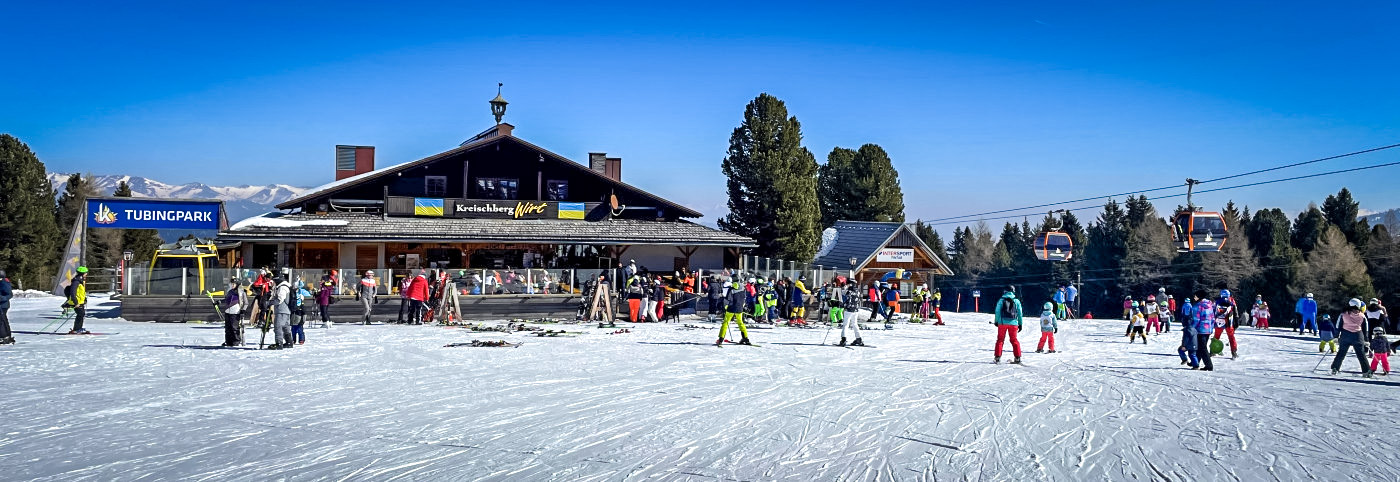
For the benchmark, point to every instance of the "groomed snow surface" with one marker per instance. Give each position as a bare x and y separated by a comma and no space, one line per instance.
388,402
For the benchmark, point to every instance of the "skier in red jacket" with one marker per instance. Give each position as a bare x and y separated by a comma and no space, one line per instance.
417,294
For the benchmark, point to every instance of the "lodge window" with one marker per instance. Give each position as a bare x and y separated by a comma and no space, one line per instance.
435,186
497,188
556,191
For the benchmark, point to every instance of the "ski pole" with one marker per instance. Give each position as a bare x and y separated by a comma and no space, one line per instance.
62,316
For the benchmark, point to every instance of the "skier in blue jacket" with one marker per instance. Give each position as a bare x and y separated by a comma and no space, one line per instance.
1188,335
1307,310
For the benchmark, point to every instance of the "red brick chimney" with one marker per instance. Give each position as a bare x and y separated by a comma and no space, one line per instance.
353,161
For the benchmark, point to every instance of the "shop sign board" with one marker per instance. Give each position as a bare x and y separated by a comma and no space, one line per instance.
467,208
895,255
142,213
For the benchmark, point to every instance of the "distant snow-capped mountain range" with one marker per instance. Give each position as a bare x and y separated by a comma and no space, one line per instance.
240,202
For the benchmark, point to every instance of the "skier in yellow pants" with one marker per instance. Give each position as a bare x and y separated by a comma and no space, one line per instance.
799,300
734,310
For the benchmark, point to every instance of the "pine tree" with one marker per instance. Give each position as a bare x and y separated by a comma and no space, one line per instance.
1149,252
772,183
1109,238
1342,211
1334,272
29,236
1307,229
1382,256
931,237
141,242
1234,265
860,185
1268,235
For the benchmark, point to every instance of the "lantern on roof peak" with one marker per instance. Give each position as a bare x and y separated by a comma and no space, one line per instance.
498,104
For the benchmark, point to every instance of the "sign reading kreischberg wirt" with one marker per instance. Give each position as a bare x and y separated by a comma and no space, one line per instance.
143,213
517,209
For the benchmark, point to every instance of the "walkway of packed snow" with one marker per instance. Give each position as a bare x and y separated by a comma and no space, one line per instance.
392,403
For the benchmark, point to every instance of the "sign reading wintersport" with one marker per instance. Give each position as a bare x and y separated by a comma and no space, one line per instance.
152,214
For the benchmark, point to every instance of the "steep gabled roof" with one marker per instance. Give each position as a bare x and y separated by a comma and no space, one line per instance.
475,143
862,240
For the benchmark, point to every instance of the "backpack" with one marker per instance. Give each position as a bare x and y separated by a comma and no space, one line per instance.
1008,309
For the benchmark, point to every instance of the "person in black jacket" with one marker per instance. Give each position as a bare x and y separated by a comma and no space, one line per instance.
6,292
734,310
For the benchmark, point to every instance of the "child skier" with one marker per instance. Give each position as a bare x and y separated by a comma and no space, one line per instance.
1128,308
1226,321
1048,327
1326,334
1188,336
937,301
1164,315
1139,327
1154,319
1260,314
1380,348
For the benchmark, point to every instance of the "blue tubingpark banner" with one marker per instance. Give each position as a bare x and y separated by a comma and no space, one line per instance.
143,213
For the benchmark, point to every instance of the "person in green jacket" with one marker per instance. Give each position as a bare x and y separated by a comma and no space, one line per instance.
1008,321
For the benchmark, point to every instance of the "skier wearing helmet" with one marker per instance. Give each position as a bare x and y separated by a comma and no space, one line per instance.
734,311
1352,322
1226,321
77,300
1307,311
1381,350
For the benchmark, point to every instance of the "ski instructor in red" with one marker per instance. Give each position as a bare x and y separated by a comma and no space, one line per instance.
1008,322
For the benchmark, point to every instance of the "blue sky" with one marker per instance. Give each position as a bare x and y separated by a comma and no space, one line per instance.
981,106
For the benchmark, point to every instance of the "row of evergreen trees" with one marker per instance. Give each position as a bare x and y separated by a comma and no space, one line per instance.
1127,251
780,197
34,227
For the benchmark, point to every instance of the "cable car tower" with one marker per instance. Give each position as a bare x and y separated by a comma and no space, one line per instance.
1052,244
1199,231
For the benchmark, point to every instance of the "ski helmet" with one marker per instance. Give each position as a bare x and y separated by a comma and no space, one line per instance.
1308,296
1049,306
82,269
1224,293
1326,317
1378,331
1356,303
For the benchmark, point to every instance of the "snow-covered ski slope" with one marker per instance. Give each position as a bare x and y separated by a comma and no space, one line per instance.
391,403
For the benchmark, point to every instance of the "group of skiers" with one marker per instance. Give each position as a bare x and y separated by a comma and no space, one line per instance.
273,302
1350,332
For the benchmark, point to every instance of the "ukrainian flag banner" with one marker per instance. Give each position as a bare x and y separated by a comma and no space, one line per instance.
427,207
570,210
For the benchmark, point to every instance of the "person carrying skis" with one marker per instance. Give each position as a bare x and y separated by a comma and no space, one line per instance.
233,312
7,292
1327,334
1226,321
734,311
1352,322
1187,351
1380,350
365,293
77,300
1203,321
1048,327
1260,313
1008,323
282,313
1307,311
